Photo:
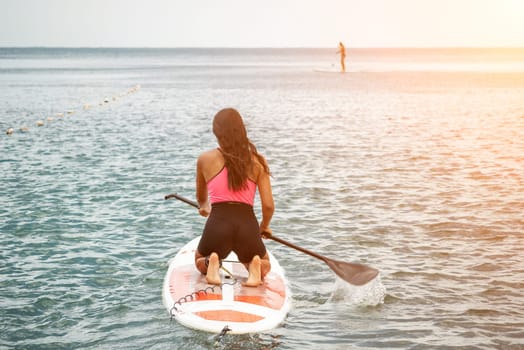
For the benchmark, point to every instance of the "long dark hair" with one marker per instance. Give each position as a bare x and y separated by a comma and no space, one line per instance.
237,149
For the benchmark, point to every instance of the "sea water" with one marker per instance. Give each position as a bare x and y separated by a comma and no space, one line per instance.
413,163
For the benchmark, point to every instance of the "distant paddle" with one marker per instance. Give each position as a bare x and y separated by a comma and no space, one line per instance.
355,274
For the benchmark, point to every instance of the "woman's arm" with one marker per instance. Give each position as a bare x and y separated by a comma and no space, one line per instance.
201,189
266,200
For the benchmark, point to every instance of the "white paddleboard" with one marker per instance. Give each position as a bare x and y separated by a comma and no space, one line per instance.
320,70
196,304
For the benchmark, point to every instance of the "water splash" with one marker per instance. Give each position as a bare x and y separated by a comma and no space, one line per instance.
370,294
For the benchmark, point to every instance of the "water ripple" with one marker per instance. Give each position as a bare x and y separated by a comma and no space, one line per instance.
426,184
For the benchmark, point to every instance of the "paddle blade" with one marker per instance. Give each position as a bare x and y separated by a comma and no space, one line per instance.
355,274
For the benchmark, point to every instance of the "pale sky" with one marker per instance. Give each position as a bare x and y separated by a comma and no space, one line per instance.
262,23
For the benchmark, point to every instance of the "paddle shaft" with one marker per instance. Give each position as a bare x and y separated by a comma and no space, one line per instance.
291,245
276,239
353,273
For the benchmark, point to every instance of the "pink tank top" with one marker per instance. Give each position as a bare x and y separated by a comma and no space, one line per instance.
219,191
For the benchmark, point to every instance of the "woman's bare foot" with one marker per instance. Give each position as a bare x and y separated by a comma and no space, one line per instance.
254,279
213,275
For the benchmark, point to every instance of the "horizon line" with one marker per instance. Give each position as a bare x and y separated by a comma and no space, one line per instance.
268,47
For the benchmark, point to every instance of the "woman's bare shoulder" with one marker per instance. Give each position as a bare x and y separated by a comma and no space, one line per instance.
210,163
258,167
259,161
211,154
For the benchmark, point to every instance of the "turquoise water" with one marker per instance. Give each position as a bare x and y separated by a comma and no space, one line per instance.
412,163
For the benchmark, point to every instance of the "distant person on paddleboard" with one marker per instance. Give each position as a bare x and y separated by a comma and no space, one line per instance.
226,181
342,51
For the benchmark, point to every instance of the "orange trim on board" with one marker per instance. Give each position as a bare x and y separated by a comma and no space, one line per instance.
209,296
229,316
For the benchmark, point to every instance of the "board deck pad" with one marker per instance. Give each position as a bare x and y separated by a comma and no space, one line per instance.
199,305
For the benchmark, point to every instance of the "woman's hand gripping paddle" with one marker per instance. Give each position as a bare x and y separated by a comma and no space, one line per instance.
355,274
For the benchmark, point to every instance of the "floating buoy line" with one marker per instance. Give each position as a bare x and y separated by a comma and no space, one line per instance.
41,122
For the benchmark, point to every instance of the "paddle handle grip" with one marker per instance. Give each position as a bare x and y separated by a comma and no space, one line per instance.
183,199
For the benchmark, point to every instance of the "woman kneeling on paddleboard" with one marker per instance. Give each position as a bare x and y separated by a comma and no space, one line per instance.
226,181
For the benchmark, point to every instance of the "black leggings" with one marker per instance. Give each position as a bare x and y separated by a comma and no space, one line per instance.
232,226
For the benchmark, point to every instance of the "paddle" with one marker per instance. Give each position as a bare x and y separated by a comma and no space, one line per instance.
355,274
